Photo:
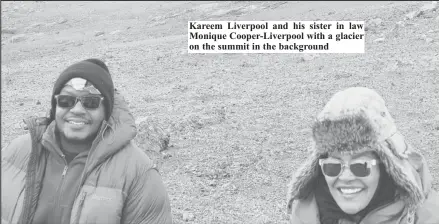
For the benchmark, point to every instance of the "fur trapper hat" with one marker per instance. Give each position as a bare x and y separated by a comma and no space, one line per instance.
353,119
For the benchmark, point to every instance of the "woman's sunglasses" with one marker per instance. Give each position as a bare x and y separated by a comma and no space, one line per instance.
334,169
88,102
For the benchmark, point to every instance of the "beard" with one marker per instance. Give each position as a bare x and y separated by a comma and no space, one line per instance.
61,137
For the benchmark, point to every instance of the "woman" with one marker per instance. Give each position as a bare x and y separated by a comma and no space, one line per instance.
361,170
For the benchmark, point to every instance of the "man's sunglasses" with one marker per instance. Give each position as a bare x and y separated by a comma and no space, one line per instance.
88,102
334,168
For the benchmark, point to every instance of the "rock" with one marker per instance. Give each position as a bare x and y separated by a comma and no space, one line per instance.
108,56
436,122
400,24
43,113
115,32
372,24
412,15
376,22
62,20
307,57
166,155
213,183
422,37
394,31
99,33
50,24
437,19
428,40
428,8
404,63
20,125
18,38
38,102
63,41
379,40
34,26
9,30
151,136
187,216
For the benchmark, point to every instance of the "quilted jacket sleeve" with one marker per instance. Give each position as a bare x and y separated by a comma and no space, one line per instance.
14,160
147,201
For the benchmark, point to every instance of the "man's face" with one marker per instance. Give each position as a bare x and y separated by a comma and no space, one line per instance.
78,124
353,193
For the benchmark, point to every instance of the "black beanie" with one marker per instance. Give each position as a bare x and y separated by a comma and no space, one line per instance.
100,63
92,70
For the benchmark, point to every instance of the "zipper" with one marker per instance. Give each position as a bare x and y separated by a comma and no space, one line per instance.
84,194
61,183
66,167
64,171
93,146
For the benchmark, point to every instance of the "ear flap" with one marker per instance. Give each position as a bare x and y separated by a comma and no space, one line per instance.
396,143
406,167
301,184
415,159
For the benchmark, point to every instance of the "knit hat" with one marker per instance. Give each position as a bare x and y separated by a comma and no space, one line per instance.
99,62
353,119
94,71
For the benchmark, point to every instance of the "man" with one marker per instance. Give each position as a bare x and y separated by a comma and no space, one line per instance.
80,165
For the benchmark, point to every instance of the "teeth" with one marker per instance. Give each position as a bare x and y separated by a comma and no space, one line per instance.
350,190
76,123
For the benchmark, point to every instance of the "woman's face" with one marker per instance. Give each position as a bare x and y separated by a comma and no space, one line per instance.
351,191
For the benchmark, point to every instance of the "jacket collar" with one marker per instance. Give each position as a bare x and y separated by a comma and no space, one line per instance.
307,212
115,134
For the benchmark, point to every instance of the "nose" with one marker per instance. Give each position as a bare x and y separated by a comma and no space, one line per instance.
346,174
78,108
